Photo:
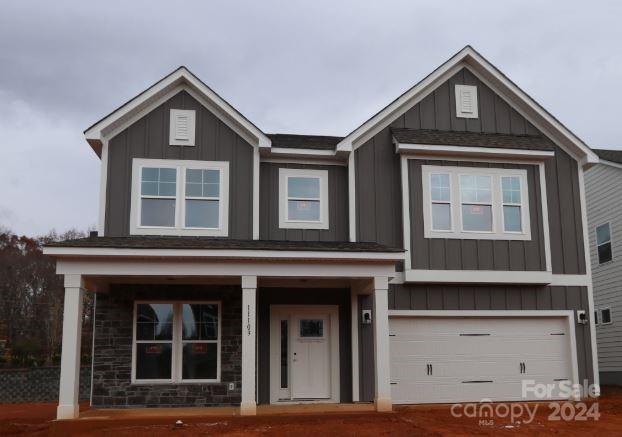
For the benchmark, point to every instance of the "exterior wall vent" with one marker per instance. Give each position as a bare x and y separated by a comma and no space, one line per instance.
182,130
466,101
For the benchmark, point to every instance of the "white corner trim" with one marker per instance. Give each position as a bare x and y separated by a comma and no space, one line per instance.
256,193
352,196
496,203
487,73
180,77
486,152
404,175
545,216
478,277
590,287
181,166
463,92
284,221
103,187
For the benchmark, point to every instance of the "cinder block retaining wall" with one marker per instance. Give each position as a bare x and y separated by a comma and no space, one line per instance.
38,385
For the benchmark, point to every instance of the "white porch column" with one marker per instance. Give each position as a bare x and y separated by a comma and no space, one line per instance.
248,406
70,357
381,344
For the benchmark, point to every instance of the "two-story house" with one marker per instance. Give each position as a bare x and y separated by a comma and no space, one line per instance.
435,254
603,184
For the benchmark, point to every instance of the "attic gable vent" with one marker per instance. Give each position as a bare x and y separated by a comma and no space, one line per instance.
466,101
182,127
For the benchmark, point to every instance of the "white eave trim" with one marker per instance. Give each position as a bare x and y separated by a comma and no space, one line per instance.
485,152
492,77
610,163
181,76
221,254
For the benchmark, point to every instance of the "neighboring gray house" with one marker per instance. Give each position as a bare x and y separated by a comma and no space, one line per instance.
603,188
437,253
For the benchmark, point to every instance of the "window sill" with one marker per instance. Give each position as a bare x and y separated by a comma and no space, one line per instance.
193,382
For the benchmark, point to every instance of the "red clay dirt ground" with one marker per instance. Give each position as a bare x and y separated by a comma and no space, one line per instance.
36,419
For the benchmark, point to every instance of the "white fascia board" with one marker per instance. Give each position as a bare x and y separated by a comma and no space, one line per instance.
143,101
220,254
478,277
469,58
610,163
286,151
486,152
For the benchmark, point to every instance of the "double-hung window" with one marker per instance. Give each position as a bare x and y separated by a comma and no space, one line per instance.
603,243
176,342
303,199
179,197
475,203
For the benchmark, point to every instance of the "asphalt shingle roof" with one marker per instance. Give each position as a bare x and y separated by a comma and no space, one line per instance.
609,155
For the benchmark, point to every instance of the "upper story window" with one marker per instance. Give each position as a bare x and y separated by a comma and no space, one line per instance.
475,203
603,243
466,101
182,127
303,199
179,197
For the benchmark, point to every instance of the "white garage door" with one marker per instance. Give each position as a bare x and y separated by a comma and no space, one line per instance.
468,359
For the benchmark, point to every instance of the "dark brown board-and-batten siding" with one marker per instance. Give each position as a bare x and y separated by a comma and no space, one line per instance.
477,298
337,205
454,254
149,138
378,184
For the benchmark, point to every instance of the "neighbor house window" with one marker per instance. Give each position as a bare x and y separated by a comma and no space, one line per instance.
603,243
475,203
303,199
176,342
605,316
179,197
596,317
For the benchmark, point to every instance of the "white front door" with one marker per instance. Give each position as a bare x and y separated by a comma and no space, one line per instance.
304,353
310,340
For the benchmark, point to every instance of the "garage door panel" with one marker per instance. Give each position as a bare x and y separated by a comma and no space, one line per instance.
475,358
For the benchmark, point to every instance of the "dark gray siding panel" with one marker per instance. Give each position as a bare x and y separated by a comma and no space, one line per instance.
453,254
462,297
378,193
306,296
269,205
148,138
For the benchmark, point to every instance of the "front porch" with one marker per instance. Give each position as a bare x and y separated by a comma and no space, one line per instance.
317,293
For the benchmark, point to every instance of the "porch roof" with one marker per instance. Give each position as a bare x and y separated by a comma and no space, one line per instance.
174,242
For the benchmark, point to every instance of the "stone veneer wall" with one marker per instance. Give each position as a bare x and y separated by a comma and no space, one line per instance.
112,354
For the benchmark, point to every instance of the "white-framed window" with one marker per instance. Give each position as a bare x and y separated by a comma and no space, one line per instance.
605,316
475,203
176,342
172,197
182,127
303,199
466,101
603,243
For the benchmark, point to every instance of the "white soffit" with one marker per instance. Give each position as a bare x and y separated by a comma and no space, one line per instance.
179,79
492,77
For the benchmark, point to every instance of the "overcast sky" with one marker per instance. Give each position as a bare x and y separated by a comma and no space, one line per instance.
313,67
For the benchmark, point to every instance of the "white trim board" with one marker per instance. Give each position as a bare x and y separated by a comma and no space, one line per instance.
483,152
145,102
478,277
491,77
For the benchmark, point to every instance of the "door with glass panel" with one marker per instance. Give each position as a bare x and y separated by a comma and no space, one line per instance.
304,354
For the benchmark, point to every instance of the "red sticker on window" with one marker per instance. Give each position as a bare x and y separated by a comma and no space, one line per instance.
199,348
477,210
156,350
303,205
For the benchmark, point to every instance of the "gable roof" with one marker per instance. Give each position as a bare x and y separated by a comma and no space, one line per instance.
471,139
614,156
492,77
181,78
